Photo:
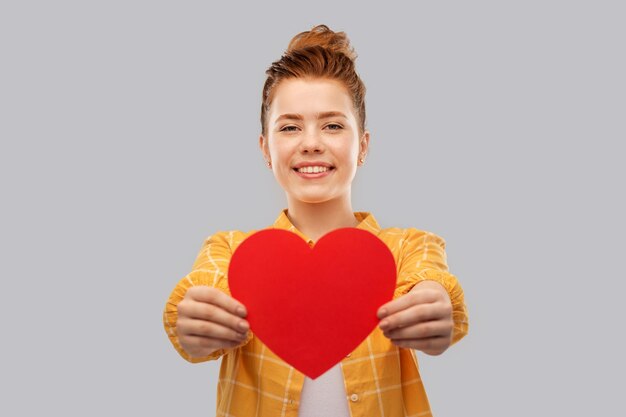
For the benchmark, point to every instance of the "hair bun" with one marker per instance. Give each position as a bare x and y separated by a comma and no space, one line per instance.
321,35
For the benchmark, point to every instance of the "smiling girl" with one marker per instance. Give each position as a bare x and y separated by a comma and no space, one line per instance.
313,138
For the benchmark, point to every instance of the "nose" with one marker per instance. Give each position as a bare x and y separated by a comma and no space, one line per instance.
311,144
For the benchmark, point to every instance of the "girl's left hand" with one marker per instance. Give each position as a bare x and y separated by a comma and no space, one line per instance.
420,319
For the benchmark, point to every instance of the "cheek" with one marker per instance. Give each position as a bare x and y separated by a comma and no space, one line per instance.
281,154
274,150
349,152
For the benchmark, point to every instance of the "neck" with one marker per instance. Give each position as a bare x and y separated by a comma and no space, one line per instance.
317,219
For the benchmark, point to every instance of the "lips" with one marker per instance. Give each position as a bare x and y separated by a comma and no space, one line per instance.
313,171
313,167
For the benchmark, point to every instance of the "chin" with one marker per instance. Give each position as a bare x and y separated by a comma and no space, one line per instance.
315,198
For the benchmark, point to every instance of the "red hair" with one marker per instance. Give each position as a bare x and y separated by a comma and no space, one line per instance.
318,53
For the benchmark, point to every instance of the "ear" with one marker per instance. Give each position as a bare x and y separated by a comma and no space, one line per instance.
364,144
264,147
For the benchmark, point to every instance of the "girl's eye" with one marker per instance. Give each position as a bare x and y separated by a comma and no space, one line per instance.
332,126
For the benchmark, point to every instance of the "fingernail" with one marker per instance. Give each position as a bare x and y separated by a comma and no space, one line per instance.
242,326
384,324
382,313
241,311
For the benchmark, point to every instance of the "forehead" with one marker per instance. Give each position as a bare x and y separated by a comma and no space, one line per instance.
310,96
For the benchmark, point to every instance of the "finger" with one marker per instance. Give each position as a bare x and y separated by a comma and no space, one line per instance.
209,312
413,315
198,345
422,330
408,300
208,329
214,296
431,345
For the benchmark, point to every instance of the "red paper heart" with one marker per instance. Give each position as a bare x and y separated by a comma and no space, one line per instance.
312,306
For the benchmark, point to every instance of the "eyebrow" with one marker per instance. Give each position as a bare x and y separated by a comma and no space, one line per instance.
323,115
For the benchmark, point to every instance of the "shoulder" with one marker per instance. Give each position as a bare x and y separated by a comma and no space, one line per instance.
396,236
219,247
229,239
399,236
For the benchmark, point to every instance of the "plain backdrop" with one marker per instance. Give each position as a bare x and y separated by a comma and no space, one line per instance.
129,134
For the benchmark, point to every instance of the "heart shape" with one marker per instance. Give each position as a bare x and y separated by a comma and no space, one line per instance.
312,306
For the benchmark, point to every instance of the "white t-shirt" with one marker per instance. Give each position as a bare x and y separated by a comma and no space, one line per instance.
325,395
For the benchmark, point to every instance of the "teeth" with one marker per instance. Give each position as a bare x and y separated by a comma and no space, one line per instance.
312,170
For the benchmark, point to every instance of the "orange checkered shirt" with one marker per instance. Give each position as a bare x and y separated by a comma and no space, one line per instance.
381,379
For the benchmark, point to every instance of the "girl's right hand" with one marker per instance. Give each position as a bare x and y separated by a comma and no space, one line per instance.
209,320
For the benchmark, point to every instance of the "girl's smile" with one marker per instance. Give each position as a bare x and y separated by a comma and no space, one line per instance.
314,169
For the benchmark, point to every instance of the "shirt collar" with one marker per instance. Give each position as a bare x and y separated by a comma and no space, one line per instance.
366,222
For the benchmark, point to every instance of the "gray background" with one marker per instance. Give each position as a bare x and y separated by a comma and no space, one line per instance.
129,134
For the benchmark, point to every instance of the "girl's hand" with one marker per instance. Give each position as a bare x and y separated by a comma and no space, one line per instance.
421,319
209,320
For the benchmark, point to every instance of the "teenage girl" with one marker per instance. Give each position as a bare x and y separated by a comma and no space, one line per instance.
313,139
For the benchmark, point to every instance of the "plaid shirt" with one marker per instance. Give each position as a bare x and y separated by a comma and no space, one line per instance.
380,378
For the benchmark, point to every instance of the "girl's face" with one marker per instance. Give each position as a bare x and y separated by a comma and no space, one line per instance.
313,140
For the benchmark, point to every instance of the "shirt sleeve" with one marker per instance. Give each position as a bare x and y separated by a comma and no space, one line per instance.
210,268
423,257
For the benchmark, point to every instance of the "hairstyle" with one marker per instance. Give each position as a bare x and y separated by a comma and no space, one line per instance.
318,53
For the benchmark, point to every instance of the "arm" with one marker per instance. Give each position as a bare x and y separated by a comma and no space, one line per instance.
201,320
428,312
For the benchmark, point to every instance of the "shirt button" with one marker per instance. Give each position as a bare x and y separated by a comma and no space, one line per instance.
354,398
